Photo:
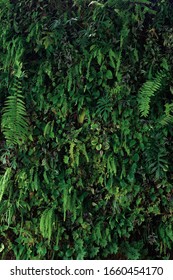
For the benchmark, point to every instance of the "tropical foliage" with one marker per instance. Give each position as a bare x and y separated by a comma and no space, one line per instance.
86,115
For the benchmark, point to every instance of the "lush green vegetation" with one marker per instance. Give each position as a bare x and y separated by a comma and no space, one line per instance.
86,114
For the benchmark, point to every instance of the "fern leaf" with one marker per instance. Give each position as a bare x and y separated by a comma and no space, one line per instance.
4,181
83,150
167,118
71,152
14,121
148,90
46,223
111,165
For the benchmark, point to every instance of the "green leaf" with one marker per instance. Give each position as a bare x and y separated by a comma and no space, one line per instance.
66,159
98,147
136,157
109,75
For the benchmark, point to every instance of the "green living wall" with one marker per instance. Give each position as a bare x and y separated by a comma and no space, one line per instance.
86,114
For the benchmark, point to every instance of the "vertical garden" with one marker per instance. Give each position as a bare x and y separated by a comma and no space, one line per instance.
86,129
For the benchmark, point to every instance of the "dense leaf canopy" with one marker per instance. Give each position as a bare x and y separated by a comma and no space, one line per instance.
86,116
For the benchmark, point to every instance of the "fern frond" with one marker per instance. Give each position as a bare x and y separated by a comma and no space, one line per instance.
46,223
84,152
167,118
148,90
111,165
14,121
4,181
71,151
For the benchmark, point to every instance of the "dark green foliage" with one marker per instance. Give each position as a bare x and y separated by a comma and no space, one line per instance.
86,129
